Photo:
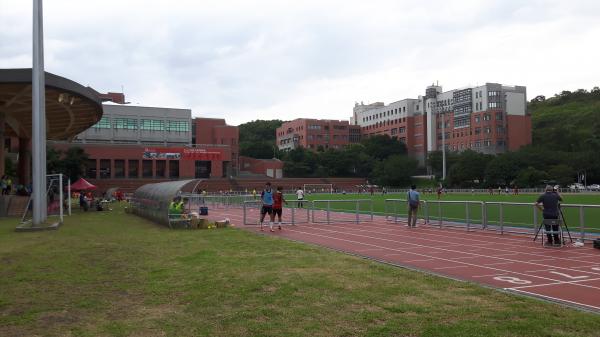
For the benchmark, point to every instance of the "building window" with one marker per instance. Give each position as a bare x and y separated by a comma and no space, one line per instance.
133,168
147,168
178,126
152,125
477,119
499,115
119,168
500,129
487,143
104,168
161,167
487,117
173,169
104,123
477,131
125,123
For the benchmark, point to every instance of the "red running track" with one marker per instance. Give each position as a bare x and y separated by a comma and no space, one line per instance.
510,262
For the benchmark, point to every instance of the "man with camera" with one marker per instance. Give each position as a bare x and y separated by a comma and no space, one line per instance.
548,203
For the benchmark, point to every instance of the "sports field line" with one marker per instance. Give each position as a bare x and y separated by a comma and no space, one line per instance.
431,257
554,283
554,299
478,241
486,245
450,250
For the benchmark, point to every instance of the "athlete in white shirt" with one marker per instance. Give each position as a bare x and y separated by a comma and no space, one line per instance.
300,195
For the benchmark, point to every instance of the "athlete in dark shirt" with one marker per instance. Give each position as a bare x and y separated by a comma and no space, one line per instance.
550,210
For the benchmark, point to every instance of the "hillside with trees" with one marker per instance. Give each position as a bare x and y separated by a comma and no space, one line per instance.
257,138
566,144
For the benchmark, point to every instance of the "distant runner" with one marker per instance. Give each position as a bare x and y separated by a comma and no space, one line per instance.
413,206
278,201
266,197
300,196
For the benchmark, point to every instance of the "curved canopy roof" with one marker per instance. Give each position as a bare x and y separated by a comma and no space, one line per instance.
70,107
152,200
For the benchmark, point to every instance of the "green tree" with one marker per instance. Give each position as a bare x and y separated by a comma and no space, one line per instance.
383,146
531,177
563,174
394,171
468,169
54,163
73,162
257,138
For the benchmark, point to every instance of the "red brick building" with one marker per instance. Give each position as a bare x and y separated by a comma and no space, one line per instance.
316,133
137,142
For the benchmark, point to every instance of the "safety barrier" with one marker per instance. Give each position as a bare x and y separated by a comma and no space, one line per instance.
328,211
583,221
291,215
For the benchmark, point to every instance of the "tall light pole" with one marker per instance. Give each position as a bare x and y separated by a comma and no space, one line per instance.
443,144
38,118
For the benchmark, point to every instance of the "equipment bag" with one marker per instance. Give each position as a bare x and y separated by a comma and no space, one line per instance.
597,243
203,210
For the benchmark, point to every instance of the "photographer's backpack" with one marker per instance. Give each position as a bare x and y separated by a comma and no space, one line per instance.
597,243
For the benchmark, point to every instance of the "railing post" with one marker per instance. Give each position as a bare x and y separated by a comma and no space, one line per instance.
312,205
467,216
440,213
501,219
244,212
328,208
582,223
357,209
293,216
426,210
371,203
483,215
535,219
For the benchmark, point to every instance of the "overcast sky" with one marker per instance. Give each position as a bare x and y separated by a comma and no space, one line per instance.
246,60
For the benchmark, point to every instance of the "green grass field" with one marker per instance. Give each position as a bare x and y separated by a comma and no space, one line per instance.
517,216
114,274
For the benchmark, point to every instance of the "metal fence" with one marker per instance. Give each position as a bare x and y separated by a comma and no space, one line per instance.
582,221
328,211
290,215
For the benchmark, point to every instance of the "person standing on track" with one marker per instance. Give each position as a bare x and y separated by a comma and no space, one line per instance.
300,196
278,200
266,197
550,202
413,206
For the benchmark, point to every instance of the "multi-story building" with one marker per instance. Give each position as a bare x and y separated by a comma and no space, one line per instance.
316,133
491,118
134,142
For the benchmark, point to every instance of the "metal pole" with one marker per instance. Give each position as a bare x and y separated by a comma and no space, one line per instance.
443,148
501,220
38,135
357,216
61,196
535,218
69,193
371,203
440,213
328,207
467,216
582,223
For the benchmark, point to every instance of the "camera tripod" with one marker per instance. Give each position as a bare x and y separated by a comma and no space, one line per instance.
562,217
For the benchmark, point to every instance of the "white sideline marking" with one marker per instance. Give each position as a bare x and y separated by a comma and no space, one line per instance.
557,283
554,298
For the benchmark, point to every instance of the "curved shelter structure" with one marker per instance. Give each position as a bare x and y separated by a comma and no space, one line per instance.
71,108
152,201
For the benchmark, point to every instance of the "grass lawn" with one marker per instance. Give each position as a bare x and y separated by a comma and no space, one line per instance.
113,274
519,216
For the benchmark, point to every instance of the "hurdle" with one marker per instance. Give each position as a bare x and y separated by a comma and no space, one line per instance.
251,214
354,211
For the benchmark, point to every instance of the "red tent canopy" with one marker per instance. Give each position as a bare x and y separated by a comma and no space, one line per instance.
82,185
